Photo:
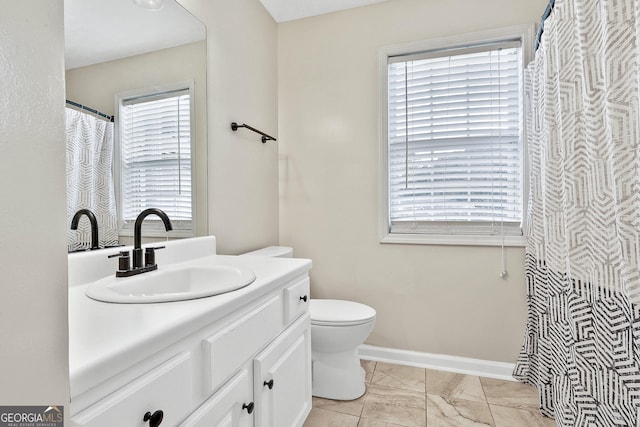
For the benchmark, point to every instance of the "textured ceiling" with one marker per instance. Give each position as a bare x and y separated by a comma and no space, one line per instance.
288,10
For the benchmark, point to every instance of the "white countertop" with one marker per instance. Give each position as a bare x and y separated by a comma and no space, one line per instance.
106,338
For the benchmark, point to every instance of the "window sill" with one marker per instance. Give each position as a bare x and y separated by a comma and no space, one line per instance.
456,240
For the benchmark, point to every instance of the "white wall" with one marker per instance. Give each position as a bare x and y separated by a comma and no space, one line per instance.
96,85
241,87
34,368
437,299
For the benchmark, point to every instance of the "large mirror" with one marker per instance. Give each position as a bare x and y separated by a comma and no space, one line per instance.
115,47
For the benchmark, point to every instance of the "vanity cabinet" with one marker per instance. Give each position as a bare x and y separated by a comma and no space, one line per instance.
241,339
128,406
249,368
277,394
229,407
282,378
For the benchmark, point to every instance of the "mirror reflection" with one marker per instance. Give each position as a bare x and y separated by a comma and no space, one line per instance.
118,55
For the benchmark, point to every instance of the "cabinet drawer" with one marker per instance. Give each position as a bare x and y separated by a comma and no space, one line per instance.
237,342
296,300
167,387
225,408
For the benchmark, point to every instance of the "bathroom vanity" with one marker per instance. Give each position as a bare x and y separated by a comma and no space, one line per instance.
241,358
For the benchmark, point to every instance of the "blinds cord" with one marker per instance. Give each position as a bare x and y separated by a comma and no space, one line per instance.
503,273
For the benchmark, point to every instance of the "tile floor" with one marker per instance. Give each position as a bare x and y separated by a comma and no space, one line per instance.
403,396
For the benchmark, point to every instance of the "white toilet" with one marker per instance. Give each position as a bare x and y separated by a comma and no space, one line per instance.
337,329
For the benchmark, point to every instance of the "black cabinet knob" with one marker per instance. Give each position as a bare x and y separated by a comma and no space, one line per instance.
248,407
304,298
269,384
154,419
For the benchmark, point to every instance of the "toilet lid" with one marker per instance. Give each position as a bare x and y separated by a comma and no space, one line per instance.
333,312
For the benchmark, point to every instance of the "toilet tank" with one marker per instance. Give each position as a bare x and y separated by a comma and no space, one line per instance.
272,251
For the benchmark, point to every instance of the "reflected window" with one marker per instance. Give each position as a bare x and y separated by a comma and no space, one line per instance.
154,158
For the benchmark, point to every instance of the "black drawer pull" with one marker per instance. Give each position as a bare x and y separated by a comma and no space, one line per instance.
304,298
154,419
269,384
248,407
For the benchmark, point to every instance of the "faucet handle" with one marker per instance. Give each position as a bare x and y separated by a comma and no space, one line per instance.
150,255
120,254
123,260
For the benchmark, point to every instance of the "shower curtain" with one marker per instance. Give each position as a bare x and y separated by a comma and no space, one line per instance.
90,179
582,344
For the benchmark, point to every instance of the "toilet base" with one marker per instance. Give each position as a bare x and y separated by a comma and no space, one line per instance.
337,376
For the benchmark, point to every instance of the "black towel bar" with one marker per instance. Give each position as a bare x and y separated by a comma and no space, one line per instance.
265,137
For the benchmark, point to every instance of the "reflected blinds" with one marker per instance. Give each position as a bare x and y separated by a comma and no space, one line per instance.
155,150
454,145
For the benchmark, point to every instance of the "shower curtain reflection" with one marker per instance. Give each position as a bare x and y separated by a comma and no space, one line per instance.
90,179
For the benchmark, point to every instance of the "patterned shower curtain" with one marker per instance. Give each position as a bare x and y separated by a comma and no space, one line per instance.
90,178
582,344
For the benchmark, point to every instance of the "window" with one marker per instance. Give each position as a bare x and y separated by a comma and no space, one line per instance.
154,158
453,144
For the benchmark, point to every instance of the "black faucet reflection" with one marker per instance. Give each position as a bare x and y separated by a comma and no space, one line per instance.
94,225
141,264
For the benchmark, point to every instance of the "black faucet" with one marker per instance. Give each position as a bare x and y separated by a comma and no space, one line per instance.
137,236
140,264
94,225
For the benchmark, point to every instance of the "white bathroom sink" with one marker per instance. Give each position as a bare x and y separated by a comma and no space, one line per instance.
171,284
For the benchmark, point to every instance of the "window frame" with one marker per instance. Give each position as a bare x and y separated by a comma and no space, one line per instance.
155,228
524,33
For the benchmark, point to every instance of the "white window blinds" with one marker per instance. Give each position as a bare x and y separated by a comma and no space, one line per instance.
454,150
155,156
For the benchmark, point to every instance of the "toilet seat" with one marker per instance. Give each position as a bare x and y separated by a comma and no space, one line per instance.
331,312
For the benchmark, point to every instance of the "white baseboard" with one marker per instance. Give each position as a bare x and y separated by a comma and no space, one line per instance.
440,362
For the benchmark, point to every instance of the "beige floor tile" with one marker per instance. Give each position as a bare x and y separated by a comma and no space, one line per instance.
398,376
367,422
323,418
510,417
448,412
351,407
401,396
457,386
369,366
395,396
406,416
509,393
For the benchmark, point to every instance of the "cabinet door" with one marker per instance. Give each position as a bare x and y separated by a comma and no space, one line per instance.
166,387
231,406
234,344
282,378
